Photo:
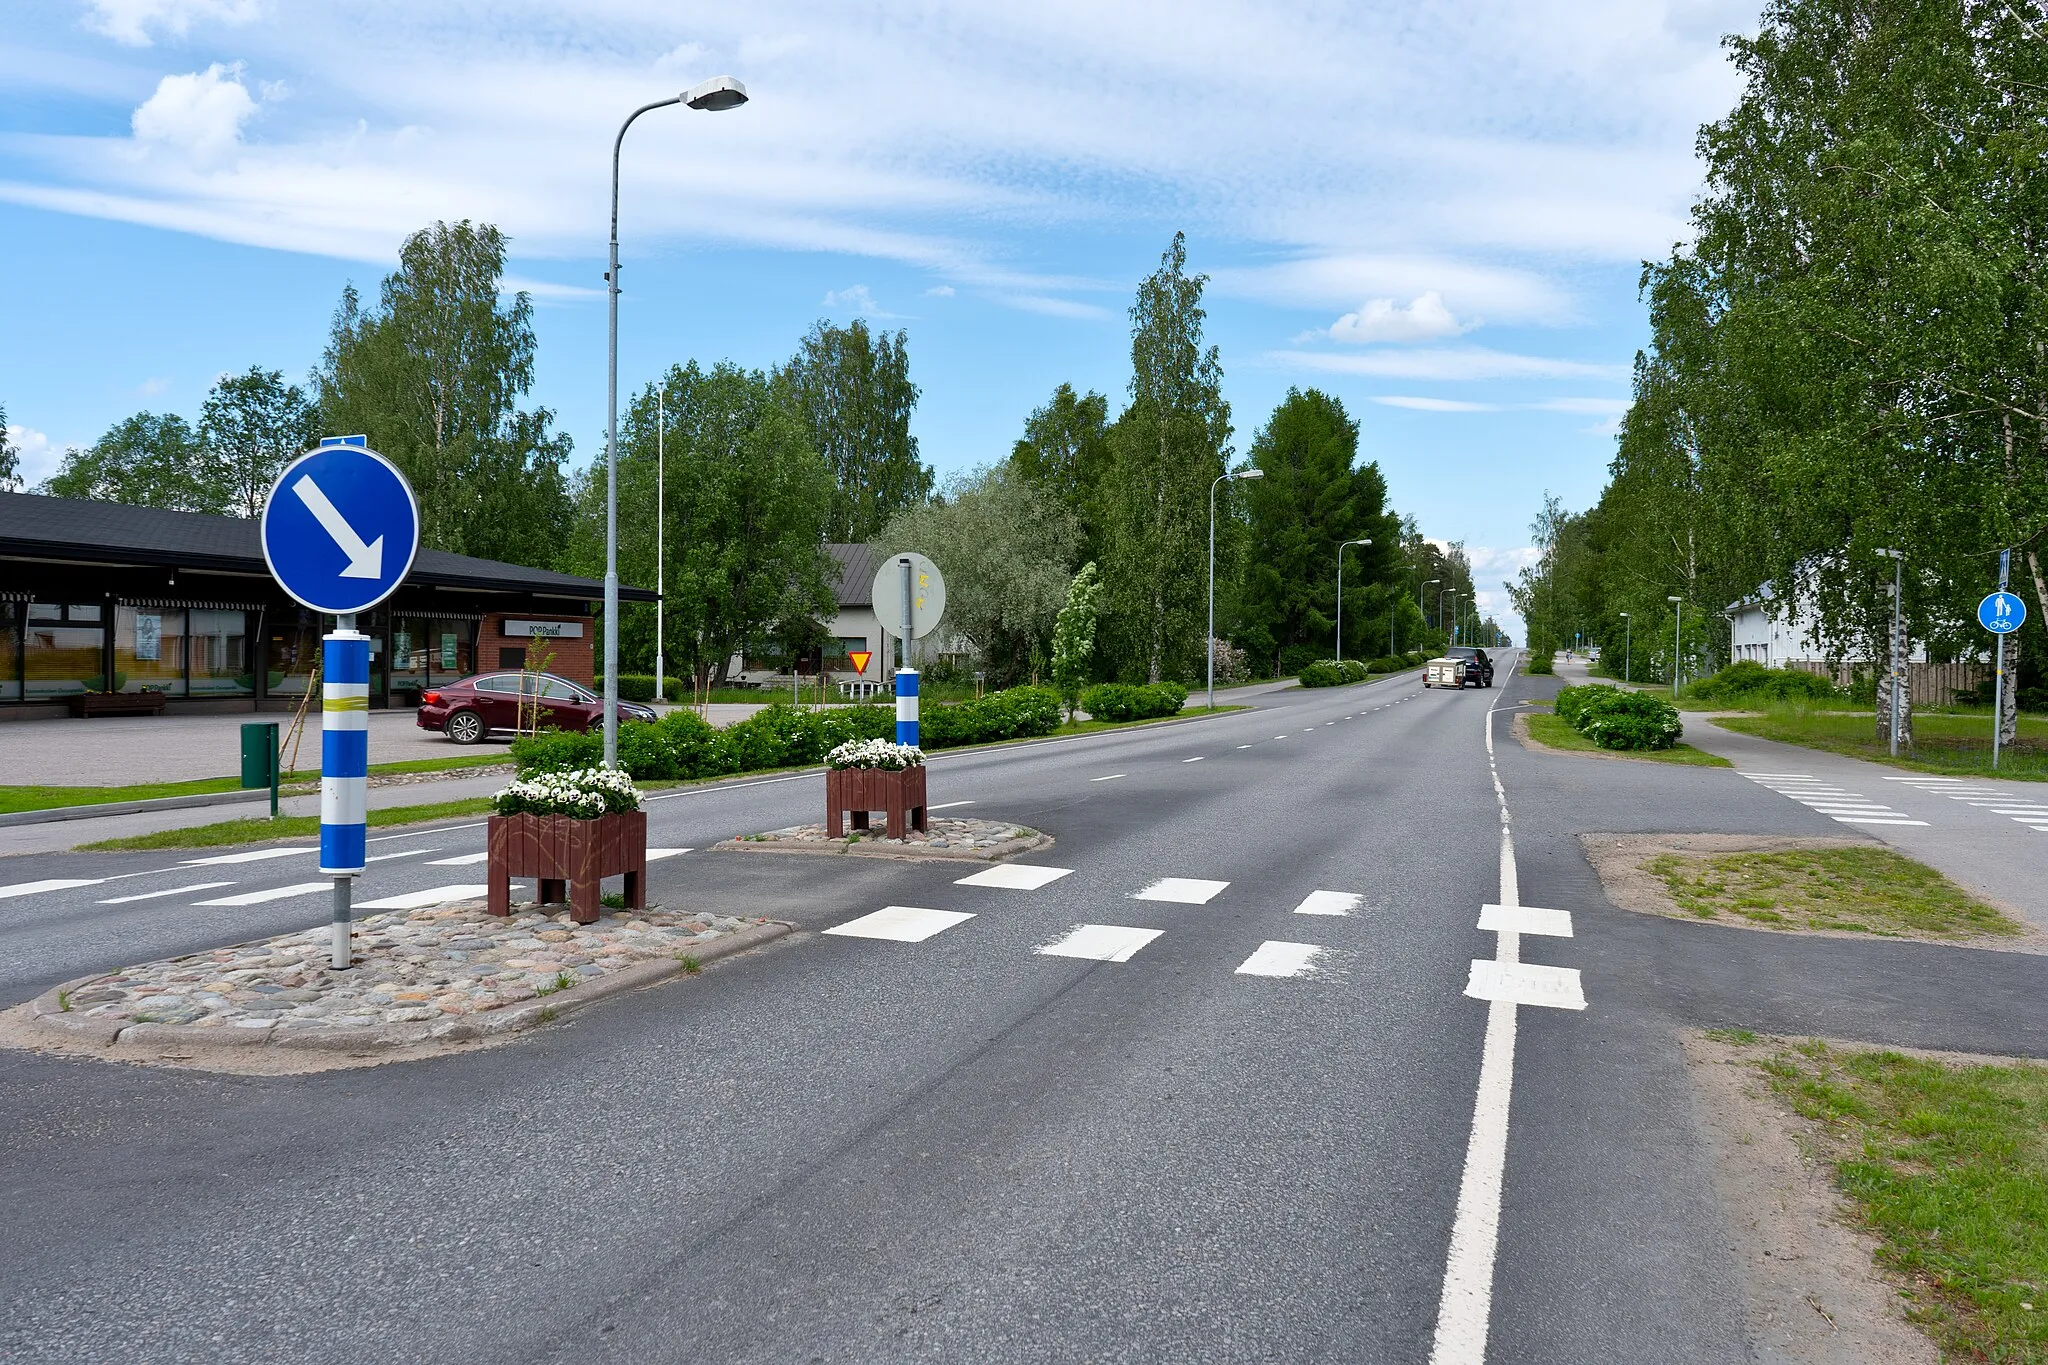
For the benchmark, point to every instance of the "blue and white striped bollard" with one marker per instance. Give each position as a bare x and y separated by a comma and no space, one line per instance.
906,706
344,770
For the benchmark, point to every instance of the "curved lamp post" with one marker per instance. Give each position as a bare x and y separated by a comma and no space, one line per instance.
1628,643
1340,594
1248,472
1677,617
720,92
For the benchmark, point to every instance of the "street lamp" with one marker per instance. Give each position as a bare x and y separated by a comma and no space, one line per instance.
1677,616
660,527
720,92
1248,472
1898,559
1628,643
1340,594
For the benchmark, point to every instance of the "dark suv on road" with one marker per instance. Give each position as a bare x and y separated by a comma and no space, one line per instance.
1478,668
467,711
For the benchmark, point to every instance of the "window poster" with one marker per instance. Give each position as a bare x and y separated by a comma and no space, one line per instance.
149,636
448,651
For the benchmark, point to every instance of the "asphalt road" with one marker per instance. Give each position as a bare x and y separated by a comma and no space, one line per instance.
965,1148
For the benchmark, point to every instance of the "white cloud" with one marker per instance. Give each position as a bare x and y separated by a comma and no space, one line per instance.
1425,318
939,291
130,21
1446,363
200,114
856,300
153,387
39,455
1432,404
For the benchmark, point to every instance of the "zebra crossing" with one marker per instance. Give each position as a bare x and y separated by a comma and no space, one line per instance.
1835,802
2018,809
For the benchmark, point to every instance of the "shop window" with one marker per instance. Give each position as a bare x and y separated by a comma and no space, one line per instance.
149,650
511,656
411,656
10,650
218,649
63,650
294,655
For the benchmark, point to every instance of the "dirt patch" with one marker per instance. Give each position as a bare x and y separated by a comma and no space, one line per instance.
1619,859
1813,1294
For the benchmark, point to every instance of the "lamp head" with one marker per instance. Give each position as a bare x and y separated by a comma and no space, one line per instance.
720,92
1674,599
1248,472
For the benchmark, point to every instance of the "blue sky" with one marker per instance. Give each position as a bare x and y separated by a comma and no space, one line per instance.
1436,212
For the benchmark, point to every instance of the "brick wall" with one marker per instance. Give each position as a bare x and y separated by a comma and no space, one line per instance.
573,658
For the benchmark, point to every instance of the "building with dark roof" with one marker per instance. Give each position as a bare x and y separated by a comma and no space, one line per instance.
99,598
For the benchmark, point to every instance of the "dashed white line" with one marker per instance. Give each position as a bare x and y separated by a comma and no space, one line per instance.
172,891
52,884
277,893
1110,778
1196,759
948,805
252,856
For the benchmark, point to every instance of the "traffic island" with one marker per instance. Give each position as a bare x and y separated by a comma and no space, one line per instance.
424,981
1841,887
981,840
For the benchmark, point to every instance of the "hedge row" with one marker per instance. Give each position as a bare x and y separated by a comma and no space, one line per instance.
683,745
1330,673
1750,681
1614,719
1125,701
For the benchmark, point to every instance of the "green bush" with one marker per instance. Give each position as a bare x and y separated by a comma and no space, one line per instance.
1390,663
1571,700
1294,658
1615,719
1124,701
632,687
1322,673
558,751
1748,680
1015,713
1540,663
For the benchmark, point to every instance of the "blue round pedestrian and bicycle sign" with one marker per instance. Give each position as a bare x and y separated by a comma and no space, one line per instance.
341,528
2002,613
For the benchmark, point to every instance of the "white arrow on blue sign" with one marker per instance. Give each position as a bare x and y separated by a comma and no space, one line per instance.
2002,613
341,528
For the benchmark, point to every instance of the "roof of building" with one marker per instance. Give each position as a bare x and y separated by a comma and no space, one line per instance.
853,570
107,533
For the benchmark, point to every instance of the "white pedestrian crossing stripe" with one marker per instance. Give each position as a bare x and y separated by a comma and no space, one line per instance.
1016,876
167,891
420,900
1181,890
901,924
1329,903
1525,983
1100,942
253,856
1837,803
461,860
1277,958
1525,919
655,855
52,884
275,893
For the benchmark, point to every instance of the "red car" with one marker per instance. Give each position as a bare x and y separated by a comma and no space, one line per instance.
467,711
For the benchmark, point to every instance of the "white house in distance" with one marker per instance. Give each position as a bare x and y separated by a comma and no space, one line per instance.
1790,640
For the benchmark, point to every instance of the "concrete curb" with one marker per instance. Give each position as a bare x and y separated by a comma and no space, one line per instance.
55,813
1007,849
48,1012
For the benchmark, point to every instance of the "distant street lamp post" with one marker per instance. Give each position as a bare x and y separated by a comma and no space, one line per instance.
1677,668
1628,644
1898,559
720,92
1340,594
1248,472
660,518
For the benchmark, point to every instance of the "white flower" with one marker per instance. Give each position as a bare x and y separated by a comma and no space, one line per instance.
875,753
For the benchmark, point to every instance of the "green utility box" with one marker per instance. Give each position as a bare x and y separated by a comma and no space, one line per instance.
259,759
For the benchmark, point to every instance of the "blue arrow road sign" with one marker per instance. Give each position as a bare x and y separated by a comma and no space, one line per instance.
340,529
2002,613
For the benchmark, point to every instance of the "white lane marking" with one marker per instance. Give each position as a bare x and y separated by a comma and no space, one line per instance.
53,884
1525,919
901,924
420,900
948,805
1181,891
438,829
1525,983
1244,746
173,891
1111,778
1929,780
1016,876
1279,736
253,856
1196,759
1872,820
275,893
655,855
1329,903
1465,1310
1100,942
407,853
1278,958
461,860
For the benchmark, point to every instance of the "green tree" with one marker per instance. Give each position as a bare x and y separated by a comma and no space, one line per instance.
1073,637
1063,452
10,458
252,426
1164,450
1315,496
148,460
853,392
1003,547
746,502
433,376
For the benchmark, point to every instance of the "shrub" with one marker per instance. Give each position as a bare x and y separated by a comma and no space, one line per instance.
1389,663
1123,701
1571,700
1014,713
1748,680
1540,663
1356,671
1330,673
1615,719
632,687
557,751
1294,658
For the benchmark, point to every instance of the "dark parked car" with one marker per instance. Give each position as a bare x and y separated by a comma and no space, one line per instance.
467,711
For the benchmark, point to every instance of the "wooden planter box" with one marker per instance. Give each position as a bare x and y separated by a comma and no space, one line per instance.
860,790
568,857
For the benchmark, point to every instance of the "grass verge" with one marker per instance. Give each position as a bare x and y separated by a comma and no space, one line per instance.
1947,1165
1955,742
52,798
1547,729
285,827
1851,890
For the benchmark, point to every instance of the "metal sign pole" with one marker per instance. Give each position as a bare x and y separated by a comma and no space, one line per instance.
1998,674
344,769
906,677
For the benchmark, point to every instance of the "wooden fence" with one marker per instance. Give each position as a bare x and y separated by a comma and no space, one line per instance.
1928,684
